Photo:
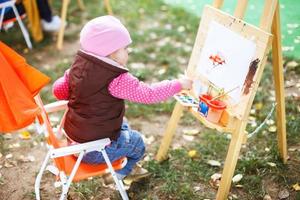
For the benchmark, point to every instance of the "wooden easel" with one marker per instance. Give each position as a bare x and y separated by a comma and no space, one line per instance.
269,23
64,11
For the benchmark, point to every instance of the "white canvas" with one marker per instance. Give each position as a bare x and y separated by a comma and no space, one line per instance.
225,59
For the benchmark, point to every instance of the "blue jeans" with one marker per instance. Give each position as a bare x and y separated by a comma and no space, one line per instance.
130,144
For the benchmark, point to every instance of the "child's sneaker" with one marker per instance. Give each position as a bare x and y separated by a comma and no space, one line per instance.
52,26
108,179
137,174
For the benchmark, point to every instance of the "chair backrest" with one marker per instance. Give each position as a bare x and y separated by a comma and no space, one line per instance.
50,136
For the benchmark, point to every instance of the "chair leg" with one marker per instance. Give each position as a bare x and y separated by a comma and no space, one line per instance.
39,177
1,17
108,7
63,20
23,29
66,185
118,182
81,4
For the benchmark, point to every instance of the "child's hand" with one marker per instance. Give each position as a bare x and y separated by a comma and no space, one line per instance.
186,83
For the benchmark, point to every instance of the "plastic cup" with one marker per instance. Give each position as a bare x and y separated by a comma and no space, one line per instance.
216,108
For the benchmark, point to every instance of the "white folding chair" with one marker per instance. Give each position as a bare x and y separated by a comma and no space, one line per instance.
69,168
11,4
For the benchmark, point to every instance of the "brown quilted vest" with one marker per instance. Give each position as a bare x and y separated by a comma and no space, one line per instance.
93,112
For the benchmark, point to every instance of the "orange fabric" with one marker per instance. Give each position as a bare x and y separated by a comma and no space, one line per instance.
86,170
19,83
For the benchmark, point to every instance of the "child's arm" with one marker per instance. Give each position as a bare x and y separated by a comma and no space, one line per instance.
60,88
130,88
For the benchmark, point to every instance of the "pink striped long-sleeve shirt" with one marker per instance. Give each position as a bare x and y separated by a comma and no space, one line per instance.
127,87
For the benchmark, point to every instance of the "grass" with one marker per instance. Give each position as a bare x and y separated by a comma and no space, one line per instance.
162,40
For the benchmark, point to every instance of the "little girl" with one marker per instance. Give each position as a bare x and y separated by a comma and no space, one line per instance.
96,86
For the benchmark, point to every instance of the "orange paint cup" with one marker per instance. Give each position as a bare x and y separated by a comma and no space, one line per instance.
216,108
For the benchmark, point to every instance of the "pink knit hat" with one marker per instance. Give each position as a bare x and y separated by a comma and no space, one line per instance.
104,35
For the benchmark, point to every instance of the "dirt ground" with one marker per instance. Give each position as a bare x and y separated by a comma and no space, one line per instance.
21,164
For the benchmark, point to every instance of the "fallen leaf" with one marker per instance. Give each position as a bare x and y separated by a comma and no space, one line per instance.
188,137
15,145
214,163
272,129
258,106
237,178
152,55
215,180
149,140
153,35
27,158
57,184
26,50
162,71
25,135
147,158
296,187
8,164
283,194
292,149
271,164
181,29
8,156
197,188
191,131
239,186
233,196
267,149
292,64
267,197
7,136
192,153
214,184
252,118
270,122
216,176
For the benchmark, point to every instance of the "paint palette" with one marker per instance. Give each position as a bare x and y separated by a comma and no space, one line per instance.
186,99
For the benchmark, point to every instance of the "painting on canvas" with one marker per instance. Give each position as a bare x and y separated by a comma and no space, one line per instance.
226,59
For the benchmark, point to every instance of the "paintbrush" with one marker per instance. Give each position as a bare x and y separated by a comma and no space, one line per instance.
223,94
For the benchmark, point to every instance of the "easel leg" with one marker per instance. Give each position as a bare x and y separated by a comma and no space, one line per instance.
279,86
61,32
236,142
108,7
80,4
168,135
